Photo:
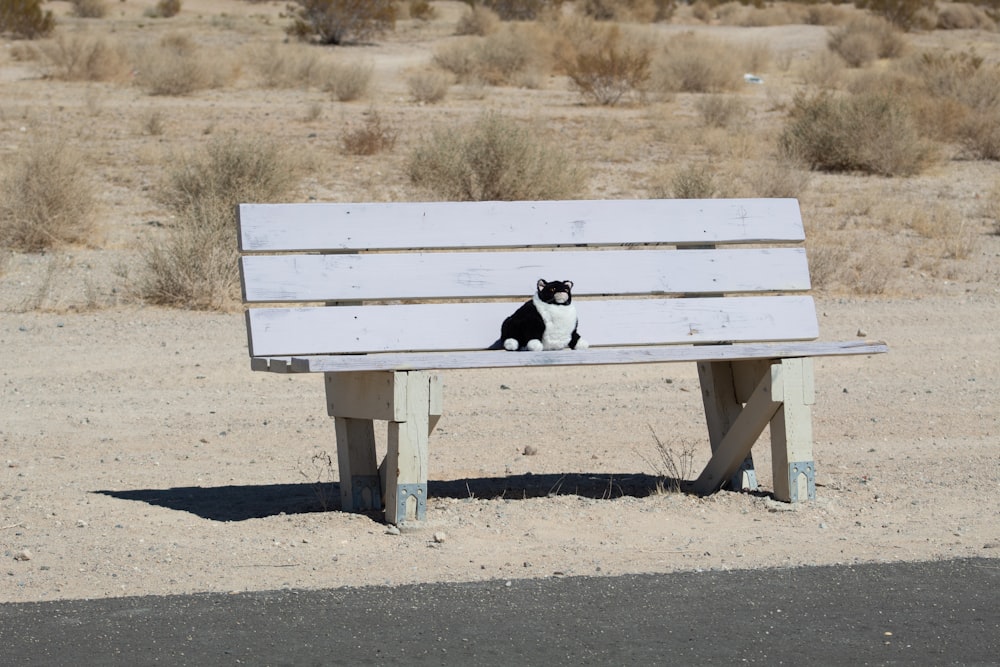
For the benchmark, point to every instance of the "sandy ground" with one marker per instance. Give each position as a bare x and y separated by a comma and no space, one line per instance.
140,455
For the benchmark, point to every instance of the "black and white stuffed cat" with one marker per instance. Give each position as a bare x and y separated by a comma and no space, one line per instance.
547,322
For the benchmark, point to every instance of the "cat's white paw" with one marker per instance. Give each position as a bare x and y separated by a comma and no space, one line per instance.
581,344
534,345
510,345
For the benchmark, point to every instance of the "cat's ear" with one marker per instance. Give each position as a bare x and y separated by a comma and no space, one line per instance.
568,284
541,284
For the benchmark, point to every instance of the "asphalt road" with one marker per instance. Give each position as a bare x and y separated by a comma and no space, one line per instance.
938,613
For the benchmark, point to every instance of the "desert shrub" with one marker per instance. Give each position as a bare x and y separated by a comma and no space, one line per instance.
46,197
479,20
195,266
79,57
979,133
863,40
636,11
901,13
962,76
871,133
175,65
288,66
374,136
778,176
518,10
25,18
720,110
693,64
510,55
608,70
341,21
420,10
164,9
493,158
963,16
692,182
428,86
89,9
347,82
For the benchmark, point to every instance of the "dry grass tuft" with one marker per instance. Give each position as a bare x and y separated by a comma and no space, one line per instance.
374,136
674,465
479,20
428,86
46,197
176,65
864,40
78,57
608,71
493,158
195,266
695,64
89,9
348,82
871,133
514,54
288,66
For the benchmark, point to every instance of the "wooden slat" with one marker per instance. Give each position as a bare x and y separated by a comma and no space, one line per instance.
346,227
471,326
291,278
396,361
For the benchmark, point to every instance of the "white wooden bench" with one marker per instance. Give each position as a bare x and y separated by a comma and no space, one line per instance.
379,296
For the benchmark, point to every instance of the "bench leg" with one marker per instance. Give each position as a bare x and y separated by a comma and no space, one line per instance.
791,434
723,401
356,460
781,398
411,404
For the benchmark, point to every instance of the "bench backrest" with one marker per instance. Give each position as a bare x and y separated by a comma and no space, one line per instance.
356,278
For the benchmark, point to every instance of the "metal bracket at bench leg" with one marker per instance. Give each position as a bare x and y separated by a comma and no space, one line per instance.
791,434
720,394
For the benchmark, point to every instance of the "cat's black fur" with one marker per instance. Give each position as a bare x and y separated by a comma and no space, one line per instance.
547,322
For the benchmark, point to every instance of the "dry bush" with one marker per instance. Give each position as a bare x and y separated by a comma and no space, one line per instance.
347,82
421,10
513,54
734,13
777,176
942,224
163,9
826,14
720,110
479,20
341,21
693,182
901,13
963,16
864,40
872,133
89,9
607,70
175,65
824,70
46,197
25,19
195,266
78,57
493,158
694,64
979,134
288,66
428,86
675,465
631,11
520,10
374,136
